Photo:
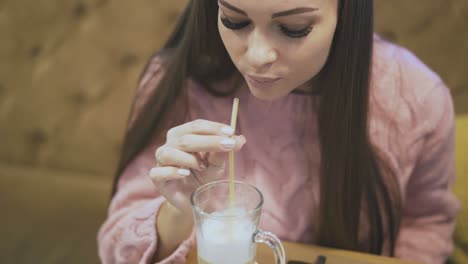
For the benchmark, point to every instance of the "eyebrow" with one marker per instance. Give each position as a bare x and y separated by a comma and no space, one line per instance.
294,11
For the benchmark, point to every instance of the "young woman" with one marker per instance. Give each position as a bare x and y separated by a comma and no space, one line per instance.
349,137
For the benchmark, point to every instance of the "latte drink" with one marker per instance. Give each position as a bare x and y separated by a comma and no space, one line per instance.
222,240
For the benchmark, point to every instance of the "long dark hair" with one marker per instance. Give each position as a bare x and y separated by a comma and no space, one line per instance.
353,178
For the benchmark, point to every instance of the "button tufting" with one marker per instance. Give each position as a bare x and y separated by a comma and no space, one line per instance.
128,60
38,137
80,10
35,51
79,98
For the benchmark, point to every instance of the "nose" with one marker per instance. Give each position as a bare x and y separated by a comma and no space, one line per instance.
260,51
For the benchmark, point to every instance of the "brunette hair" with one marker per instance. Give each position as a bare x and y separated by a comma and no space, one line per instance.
355,187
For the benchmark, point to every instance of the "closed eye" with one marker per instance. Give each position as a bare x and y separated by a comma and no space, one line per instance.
234,25
286,31
296,33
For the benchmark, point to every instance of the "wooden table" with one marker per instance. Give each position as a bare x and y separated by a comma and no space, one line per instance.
309,253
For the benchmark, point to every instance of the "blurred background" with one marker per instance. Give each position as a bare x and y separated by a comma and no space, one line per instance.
68,72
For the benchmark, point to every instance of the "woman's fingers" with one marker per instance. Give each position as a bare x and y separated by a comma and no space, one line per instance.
161,175
203,143
169,156
200,127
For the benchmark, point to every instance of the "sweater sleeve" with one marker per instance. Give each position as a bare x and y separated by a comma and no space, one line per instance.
430,207
129,233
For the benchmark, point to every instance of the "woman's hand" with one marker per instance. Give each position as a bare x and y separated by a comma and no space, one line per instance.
194,154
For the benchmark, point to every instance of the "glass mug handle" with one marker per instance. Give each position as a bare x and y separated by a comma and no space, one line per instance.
273,242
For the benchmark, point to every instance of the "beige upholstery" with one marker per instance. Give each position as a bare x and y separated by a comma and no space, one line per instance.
461,231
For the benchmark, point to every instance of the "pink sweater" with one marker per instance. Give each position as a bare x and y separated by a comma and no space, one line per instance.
411,122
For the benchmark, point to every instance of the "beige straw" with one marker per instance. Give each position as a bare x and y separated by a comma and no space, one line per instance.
235,107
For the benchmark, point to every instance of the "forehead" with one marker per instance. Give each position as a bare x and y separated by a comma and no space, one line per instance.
276,4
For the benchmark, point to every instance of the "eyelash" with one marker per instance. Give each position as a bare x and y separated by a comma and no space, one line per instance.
289,33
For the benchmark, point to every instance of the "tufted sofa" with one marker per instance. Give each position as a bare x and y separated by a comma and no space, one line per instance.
68,71
67,75
461,232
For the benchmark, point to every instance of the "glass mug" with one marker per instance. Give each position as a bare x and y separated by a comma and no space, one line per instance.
227,234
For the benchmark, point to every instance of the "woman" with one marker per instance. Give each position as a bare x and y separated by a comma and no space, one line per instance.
350,138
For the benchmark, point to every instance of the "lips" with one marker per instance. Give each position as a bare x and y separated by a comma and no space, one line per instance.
260,81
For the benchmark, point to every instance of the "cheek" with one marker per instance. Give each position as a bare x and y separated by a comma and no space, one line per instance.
313,55
306,63
231,42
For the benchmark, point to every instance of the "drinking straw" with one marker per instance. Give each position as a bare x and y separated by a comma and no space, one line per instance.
235,107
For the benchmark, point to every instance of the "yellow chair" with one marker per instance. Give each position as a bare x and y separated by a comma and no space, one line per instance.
461,184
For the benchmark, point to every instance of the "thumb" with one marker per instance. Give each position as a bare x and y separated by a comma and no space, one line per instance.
219,158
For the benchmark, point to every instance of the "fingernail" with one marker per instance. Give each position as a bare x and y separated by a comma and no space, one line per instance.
227,130
183,172
228,143
243,140
202,165
152,172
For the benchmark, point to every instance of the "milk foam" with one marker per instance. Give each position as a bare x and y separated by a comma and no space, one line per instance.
227,240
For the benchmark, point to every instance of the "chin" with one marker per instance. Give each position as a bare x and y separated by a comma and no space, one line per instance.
267,94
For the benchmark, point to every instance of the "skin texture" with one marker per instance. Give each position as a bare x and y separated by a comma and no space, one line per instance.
197,148
261,49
